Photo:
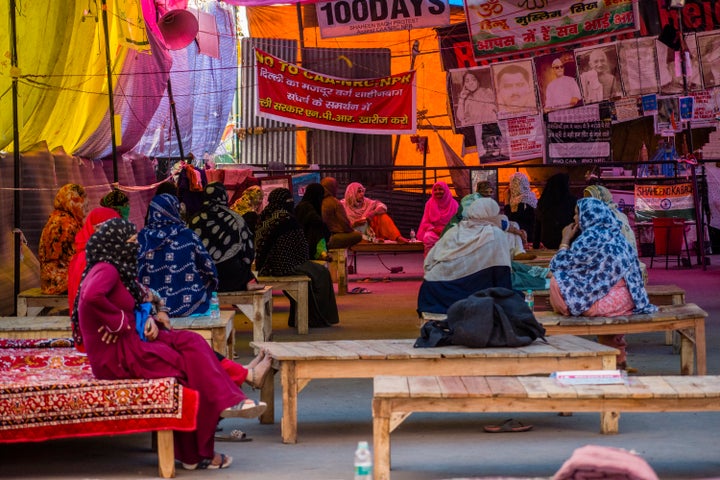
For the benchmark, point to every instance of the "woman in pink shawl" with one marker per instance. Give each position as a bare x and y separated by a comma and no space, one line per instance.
368,216
438,211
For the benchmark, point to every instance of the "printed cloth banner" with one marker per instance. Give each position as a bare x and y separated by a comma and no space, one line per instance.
340,18
653,201
292,94
501,27
526,137
578,136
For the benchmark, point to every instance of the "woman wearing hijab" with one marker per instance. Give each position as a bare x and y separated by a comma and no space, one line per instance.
57,241
227,239
118,201
282,250
309,214
249,206
173,260
439,209
342,234
521,204
604,195
599,274
107,303
368,216
555,209
471,256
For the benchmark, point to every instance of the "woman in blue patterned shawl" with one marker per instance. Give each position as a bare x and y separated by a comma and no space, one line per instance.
599,275
173,260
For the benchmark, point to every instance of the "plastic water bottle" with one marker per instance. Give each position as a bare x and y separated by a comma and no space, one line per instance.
363,462
412,235
214,306
530,300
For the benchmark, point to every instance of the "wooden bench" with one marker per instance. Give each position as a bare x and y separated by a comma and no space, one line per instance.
338,269
33,298
256,305
297,287
396,397
688,320
220,333
301,362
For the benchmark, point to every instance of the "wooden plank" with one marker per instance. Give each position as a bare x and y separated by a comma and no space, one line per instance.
424,387
694,386
477,386
389,386
658,386
506,387
452,387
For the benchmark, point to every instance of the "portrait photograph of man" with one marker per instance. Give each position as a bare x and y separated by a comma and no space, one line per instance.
494,147
515,88
709,47
599,75
557,81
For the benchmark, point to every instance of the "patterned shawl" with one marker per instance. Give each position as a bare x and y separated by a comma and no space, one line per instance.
109,245
597,260
357,209
602,193
280,240
223,231
250,200
519,192
173,260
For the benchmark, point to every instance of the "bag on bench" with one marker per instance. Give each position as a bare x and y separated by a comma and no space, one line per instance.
494,317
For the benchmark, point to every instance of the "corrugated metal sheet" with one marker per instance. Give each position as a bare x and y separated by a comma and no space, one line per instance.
335,148
275,141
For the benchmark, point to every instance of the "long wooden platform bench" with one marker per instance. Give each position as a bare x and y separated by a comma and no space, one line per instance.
33,298
688,320
256,305
50,392
396,397
220,333
297,287
301,362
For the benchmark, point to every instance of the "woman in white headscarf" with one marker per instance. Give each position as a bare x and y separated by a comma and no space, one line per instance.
470,256
521,204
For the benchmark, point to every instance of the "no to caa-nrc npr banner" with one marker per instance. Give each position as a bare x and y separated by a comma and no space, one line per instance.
288,93
341,18
654,201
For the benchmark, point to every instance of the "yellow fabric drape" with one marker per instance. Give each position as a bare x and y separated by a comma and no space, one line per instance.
282,22
63,82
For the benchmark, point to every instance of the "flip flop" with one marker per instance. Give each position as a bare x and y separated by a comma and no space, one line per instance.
509,425
233,436
206,463
246,409
359,290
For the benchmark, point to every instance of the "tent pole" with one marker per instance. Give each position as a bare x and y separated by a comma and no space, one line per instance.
111,111
16,157
175,119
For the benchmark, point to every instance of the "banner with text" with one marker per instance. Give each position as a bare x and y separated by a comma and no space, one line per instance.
501,27
578,136
341,18
289,93
653,201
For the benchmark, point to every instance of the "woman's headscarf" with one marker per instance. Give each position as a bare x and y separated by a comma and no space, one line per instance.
314,194
519,191
223,231
274,216
357,209
250,200
604,195
280,241
117,200
163,222
71,199
474,244
109,245
597,260
437,212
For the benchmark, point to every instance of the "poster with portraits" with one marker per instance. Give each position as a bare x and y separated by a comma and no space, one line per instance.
709,48
492,145
599,73
670,67
515,89
473,99
667,120
638,66
557,81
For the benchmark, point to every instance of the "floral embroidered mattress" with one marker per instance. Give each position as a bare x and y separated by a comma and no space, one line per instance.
47,390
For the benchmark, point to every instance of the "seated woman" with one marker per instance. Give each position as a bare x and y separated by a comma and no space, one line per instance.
603,194
521,204
471,256
439,209
554,210
57,241
227,239
342,234
368,216
599,275
309,214
281,250
173,260
249,206
118,201
107,303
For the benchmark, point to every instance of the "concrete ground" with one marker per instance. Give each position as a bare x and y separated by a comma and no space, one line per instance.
334,415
